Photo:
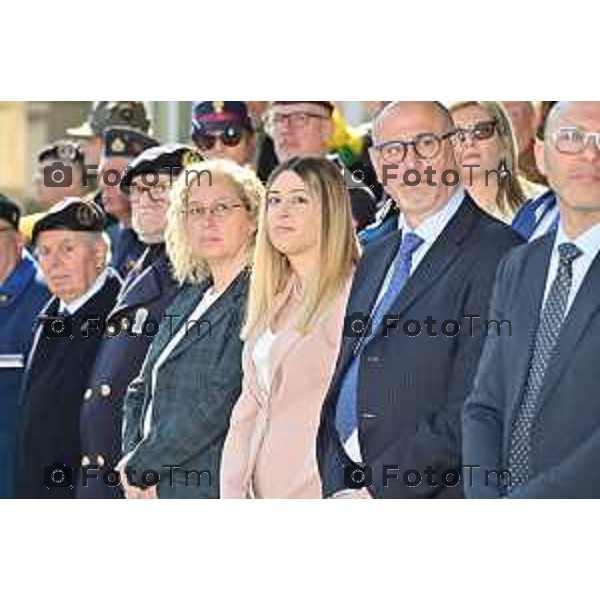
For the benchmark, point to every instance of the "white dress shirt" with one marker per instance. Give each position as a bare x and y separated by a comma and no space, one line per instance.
429,230
589,244
261,357
73,306
208,299
543,227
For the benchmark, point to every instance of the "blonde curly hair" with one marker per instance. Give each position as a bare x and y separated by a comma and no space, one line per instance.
187,266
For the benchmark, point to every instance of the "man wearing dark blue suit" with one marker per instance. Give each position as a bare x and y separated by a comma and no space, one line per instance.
134,322
23,293
72,254
532,422
392,413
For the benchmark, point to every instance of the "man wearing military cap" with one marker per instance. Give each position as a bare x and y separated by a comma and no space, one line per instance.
223,129
147,292
305,128
60,173
72,256
104,114
23,293
121,145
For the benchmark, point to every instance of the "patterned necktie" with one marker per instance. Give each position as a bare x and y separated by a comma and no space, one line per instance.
346,418
551,320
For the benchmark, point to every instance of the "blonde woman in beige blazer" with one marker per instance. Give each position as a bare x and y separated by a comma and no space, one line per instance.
306,251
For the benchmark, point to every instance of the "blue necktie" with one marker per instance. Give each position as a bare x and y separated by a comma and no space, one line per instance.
533,213
551,321
346,418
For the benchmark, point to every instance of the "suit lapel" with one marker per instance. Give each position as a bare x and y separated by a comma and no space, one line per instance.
525,321
144,289
444,251
585,304
370,275
211,317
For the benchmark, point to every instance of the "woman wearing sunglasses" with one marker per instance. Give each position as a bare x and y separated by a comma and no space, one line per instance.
487,153
223,129
302,272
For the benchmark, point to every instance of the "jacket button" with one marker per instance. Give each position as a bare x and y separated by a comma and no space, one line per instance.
85,461
105,390
88,394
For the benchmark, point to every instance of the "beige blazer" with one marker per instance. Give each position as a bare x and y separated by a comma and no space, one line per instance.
270,450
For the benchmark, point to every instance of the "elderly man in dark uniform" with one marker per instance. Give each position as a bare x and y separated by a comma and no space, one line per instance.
72,255
148,290
121,146
23,293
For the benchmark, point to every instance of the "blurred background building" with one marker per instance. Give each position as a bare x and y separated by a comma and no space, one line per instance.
25,127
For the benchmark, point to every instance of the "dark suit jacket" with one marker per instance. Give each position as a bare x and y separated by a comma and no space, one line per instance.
119,360
411,389
196,389
566,433
54,384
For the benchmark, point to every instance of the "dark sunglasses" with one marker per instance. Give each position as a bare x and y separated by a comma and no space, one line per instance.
230,137
483,130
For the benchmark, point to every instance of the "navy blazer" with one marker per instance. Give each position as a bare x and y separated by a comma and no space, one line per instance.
411,389
196,389
145,295
566,433
53,388
22,297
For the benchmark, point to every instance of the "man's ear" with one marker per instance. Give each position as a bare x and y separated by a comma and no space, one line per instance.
539,150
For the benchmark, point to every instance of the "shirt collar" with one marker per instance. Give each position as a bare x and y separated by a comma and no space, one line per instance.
588,242
433,225
76,304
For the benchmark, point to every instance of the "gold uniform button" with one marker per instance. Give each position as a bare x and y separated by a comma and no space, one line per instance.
88,394
85,461
105,390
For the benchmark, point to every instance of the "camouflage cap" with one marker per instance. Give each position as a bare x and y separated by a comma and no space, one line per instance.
109,113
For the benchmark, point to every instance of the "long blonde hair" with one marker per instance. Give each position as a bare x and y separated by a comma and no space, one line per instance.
340,251
186,265
510,192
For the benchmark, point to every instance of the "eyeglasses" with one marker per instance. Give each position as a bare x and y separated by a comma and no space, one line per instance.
156,193
425,145
231,137
297,120
483,130
220,211
572,140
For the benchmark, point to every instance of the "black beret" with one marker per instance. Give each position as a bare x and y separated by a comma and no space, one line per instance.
9,211
73,214
125,141
62,150
168,159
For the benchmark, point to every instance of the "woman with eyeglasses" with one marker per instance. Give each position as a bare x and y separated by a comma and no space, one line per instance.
177,411
304,262
224,129
487,154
